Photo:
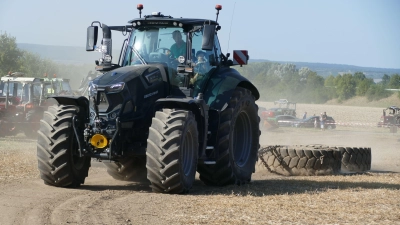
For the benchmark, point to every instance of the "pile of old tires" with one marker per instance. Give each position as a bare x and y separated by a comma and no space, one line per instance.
309,160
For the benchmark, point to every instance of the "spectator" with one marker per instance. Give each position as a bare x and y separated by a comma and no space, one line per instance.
323,120
315,122
304,115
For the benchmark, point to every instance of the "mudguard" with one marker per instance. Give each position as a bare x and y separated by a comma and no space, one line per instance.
221,85
80,101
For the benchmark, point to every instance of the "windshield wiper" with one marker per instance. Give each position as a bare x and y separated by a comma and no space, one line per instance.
142,60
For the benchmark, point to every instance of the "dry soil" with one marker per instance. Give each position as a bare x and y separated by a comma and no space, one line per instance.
369,198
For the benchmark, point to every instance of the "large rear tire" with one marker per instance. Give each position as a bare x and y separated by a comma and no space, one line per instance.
58,161
172,151
127,169
237,144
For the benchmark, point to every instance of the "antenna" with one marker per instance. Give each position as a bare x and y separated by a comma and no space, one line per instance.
229,39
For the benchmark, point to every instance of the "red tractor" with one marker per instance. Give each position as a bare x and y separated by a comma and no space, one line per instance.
390,117
267,116
23,101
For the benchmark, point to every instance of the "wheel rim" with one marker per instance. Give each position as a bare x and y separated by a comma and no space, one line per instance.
187,151
242,139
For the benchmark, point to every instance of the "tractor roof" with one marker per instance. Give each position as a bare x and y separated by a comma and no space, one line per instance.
23,79
158,17
56,79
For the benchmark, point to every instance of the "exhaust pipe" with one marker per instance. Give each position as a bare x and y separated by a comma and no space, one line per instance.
7,93
106,45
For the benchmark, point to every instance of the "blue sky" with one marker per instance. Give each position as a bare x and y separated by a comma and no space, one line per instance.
354,32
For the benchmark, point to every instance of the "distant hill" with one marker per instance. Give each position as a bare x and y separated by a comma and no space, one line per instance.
78,55
65,54
326,69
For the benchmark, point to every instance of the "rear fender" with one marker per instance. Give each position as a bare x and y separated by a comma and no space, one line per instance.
222,83
197,107
80,101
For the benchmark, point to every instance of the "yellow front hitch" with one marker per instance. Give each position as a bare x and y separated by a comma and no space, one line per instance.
99,141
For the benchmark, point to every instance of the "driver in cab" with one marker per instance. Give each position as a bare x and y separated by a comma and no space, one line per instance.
179,48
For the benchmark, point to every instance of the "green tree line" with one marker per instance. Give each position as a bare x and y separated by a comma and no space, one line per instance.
276,81
13,59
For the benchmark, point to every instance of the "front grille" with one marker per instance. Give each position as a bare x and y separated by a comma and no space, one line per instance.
107,102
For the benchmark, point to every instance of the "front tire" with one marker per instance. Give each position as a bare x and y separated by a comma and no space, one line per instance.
172,151
238,142
33,118
58,162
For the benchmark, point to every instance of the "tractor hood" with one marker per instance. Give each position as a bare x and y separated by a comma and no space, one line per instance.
125,74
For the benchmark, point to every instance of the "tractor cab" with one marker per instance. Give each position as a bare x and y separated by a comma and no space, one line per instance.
10,93
23,92
59,86
188,49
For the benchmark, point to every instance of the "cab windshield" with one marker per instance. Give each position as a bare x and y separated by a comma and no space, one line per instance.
155,45
14,90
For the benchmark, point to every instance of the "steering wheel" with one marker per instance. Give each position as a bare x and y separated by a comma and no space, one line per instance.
163,48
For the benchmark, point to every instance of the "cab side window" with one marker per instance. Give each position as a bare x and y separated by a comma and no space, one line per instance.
217,52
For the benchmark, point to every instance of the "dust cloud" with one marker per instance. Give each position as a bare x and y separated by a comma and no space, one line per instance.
356,127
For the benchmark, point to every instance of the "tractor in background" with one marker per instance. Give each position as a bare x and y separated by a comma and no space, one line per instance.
24,99
268,116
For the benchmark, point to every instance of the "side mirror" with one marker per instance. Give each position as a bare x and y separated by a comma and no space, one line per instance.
208,37
91,39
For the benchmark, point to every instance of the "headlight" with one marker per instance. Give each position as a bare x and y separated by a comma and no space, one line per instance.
181,59
115,87
92,89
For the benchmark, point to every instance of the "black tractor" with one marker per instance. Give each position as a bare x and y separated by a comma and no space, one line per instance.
171,106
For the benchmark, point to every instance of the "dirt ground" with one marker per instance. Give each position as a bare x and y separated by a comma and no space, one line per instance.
368,198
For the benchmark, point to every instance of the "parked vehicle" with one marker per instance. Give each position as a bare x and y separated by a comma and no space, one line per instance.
390,117
309,122
24,99
286,120
285,108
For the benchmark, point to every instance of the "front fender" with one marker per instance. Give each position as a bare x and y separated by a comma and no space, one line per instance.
221,85
198,107
80,101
